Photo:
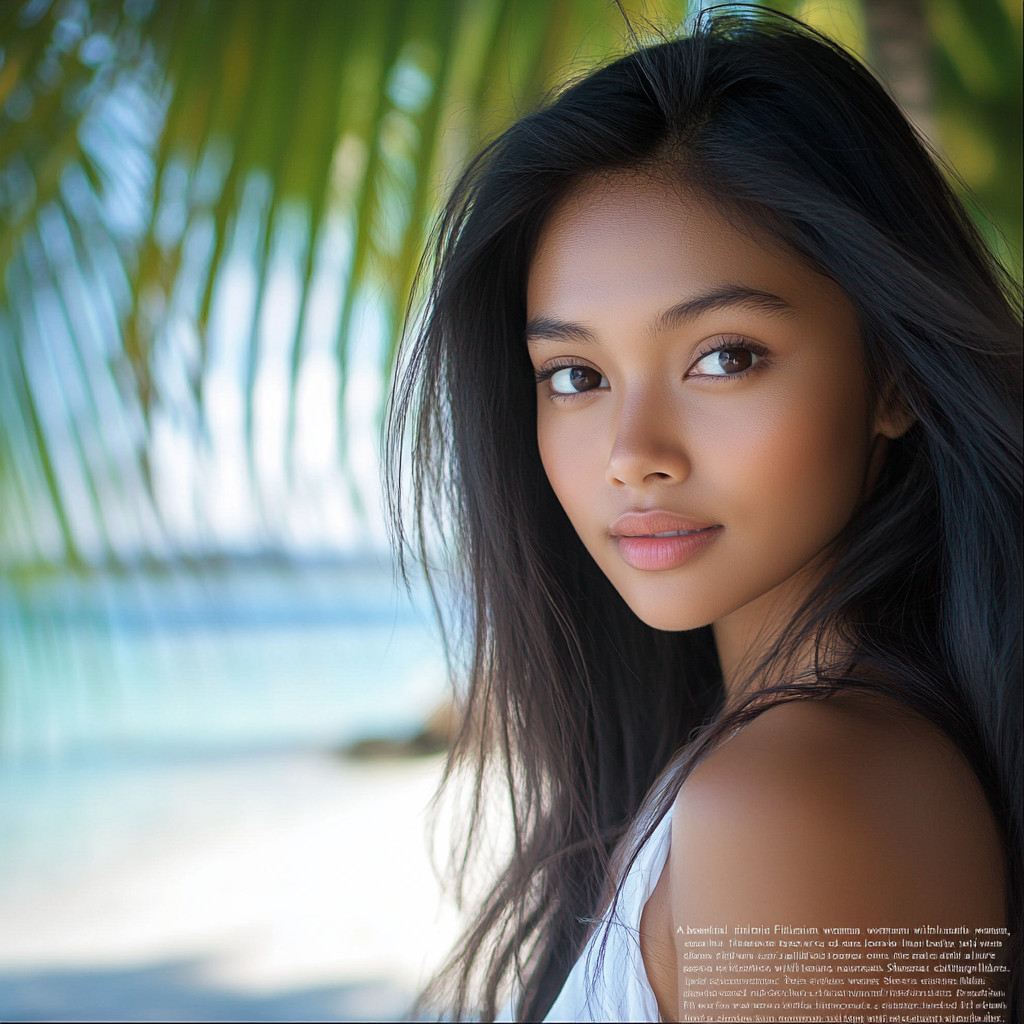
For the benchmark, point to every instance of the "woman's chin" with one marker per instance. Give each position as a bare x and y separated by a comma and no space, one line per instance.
669,620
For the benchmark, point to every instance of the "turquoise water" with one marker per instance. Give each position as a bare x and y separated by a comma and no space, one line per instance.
234,658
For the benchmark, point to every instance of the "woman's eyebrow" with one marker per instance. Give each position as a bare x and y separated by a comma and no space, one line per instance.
546,328
722,298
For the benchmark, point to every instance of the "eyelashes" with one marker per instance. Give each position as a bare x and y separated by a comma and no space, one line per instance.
735,358
571,378
723,358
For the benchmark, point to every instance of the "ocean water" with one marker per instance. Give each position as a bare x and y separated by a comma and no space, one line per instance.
237,657
179,837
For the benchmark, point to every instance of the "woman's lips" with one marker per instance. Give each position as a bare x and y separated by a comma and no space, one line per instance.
660,540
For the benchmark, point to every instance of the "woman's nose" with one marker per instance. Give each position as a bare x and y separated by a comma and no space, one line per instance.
648,446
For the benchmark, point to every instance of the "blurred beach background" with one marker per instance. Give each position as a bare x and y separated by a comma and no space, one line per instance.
221,717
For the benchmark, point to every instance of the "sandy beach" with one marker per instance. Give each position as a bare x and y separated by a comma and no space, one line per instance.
293,886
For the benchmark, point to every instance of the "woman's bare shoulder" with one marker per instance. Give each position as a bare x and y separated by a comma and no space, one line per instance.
846,808
861,747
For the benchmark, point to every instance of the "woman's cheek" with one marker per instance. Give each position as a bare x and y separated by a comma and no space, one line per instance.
794,474
574,455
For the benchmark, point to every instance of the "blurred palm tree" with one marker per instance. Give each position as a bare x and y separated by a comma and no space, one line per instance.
211,215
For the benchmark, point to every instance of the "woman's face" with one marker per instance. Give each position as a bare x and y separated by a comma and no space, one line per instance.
703,413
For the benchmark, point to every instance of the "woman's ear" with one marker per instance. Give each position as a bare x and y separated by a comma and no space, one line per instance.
892,417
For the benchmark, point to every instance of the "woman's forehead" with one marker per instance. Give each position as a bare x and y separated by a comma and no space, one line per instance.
635,238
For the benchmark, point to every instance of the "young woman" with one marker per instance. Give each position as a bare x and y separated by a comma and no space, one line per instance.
716,395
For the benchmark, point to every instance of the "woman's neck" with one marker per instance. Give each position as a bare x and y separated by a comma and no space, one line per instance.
746,635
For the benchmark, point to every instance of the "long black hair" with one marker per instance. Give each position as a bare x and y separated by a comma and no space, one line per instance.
570,700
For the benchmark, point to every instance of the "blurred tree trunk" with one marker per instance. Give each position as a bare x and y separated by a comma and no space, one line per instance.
900,52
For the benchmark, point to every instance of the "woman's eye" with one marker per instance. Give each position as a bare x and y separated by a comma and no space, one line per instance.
573,379
724,362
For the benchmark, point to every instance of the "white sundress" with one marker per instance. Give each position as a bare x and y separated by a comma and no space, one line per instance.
614,987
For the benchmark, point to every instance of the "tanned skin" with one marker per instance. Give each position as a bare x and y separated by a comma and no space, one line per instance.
845,812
